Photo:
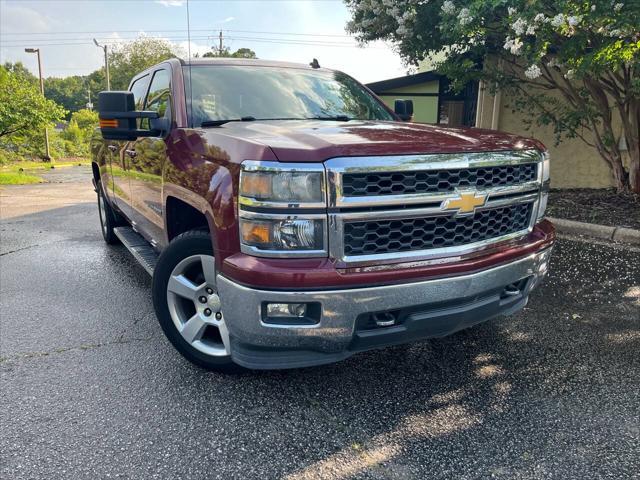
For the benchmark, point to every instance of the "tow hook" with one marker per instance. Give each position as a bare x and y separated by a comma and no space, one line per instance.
511,290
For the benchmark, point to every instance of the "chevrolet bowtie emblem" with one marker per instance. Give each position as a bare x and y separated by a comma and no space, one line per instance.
465,203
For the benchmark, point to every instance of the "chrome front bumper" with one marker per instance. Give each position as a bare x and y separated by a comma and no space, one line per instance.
434,308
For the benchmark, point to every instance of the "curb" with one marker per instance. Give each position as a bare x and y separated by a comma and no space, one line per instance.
612,234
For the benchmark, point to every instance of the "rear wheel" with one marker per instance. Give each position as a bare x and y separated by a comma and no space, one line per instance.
187,304
108,218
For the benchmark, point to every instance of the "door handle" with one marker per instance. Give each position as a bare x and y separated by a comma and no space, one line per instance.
131,153
112,148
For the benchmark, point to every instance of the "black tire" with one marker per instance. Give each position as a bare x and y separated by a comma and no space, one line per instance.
108,218
182,247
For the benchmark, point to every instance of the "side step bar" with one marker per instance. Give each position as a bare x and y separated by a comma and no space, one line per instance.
141,250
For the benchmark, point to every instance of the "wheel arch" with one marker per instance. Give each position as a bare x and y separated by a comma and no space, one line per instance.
95,169
181,216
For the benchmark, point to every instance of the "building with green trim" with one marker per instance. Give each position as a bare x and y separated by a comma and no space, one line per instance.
432,100
574,164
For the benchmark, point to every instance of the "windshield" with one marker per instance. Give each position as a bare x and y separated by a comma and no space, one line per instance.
228,92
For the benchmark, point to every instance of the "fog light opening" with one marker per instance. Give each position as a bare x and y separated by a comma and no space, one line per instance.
384,319
287,310
515,289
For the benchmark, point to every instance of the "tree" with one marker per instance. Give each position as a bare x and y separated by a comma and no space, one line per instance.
240,53
23,108
77,135
70,92
87,120
572,65
21,72
128,59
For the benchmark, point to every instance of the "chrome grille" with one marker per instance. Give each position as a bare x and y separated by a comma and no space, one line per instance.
392,236
410,207
429,181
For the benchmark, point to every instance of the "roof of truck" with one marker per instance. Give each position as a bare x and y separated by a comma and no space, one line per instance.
249,61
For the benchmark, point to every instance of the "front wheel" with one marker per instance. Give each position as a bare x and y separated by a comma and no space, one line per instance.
187,304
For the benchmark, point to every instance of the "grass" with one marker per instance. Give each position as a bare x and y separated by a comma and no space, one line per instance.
31,165
25,172
18,178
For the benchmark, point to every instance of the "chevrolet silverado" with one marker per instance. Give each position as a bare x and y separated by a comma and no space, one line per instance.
289,218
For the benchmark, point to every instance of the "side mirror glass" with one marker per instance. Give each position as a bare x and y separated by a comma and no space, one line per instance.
161,124
118,117
404,109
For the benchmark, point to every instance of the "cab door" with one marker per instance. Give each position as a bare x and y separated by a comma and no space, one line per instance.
121,158
147,159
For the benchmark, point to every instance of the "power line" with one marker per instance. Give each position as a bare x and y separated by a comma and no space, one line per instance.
180,30
283,41
175,38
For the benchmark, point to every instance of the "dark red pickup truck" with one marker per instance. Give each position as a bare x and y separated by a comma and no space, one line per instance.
289,218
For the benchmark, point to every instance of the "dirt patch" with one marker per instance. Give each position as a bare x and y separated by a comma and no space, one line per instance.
64,187
601,206
68,174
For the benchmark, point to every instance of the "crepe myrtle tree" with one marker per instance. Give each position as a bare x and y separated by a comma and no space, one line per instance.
570,64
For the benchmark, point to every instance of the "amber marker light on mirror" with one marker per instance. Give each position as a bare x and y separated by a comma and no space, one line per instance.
108,123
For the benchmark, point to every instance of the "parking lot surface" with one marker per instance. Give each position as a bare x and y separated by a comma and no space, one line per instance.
90,388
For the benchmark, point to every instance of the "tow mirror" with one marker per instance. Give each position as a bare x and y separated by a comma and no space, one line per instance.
404,109
118,117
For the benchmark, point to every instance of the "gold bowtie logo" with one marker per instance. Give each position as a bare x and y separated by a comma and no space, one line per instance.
466,202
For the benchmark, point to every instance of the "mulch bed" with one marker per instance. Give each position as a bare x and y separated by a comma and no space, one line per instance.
601,206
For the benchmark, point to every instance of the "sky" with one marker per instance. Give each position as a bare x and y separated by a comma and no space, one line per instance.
288,30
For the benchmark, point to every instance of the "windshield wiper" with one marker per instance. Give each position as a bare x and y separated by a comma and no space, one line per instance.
338,118
217,123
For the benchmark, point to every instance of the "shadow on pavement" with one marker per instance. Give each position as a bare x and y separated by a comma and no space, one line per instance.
550,392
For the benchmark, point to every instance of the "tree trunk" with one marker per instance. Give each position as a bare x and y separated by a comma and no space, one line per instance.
620,175
632,134
634,170
613,158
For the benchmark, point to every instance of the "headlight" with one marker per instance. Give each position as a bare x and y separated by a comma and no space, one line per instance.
286,234
264,182
268,193
544,192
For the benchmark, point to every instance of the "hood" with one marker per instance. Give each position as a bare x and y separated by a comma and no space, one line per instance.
316,141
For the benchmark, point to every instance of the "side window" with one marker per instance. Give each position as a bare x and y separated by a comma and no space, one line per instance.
159,100
139,90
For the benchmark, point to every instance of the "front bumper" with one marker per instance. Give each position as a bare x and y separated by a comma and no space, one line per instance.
426,309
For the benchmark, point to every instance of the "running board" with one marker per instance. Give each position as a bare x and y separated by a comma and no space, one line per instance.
141,250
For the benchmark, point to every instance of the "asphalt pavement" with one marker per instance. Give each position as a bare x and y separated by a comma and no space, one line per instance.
90,388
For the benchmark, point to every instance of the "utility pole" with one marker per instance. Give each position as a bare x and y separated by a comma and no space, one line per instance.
220,47
89,104
105,47
46,132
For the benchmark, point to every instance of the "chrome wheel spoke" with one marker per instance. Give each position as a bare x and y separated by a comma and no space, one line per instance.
193,329
209,269
183,287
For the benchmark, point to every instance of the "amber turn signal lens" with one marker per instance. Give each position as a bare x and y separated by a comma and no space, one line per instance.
108,123
255,232
256,185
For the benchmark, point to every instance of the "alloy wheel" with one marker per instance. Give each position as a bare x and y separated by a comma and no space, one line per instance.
194,305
